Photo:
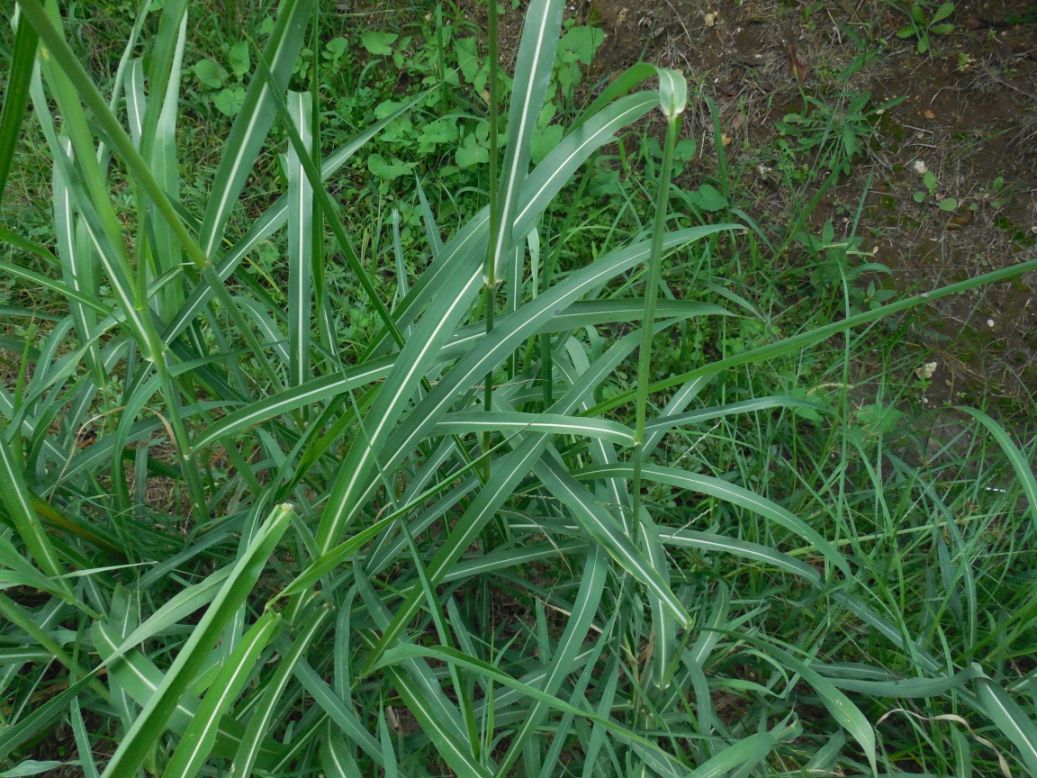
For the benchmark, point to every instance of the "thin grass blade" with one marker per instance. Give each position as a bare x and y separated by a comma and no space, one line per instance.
1019,461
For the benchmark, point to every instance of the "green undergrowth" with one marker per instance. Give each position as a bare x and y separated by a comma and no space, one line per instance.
337,439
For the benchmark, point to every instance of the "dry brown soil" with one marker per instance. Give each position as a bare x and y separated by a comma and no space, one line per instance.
969,114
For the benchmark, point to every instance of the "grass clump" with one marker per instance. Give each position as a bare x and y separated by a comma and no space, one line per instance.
238,542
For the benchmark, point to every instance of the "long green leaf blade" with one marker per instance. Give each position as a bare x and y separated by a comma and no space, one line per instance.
300,244
151,722
1010,719
197,741
736,495
18,503
16,96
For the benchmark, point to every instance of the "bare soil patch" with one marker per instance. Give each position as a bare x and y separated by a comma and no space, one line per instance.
969,115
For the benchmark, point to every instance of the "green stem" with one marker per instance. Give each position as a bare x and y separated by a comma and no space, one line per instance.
441,59
654,271
324,325
491,270
550,263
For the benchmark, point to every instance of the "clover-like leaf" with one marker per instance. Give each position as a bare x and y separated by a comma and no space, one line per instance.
378,42
210,73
